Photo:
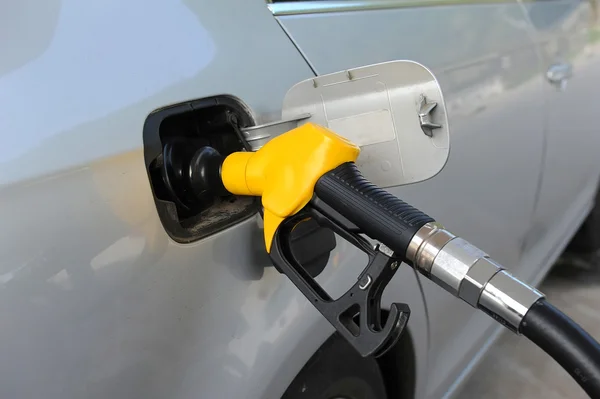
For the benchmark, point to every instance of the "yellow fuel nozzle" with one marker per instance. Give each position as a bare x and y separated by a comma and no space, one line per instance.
284,171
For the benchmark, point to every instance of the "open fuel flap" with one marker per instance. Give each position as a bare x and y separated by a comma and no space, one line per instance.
367,105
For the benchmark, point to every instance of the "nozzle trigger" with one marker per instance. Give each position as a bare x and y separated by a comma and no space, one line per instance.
357,314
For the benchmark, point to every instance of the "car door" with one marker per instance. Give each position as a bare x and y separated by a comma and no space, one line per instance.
567,33
487,65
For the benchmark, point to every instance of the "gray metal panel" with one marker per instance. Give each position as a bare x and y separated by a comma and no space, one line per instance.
572,164
96,301
487,65
377,107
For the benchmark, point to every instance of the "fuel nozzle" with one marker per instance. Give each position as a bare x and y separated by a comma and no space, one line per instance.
283,172
311,162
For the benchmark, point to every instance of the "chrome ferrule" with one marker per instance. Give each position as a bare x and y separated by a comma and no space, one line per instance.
468,273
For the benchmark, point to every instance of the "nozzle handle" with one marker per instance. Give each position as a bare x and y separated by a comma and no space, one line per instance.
377,213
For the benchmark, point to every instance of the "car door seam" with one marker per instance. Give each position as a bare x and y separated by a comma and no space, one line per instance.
302,54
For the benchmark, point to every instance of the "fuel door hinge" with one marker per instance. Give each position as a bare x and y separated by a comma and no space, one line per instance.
257,136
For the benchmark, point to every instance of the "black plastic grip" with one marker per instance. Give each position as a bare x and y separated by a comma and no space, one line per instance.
377,213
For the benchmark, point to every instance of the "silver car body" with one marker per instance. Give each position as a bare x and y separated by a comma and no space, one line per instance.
97,301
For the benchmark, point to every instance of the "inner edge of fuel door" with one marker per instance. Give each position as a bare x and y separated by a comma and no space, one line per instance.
171,136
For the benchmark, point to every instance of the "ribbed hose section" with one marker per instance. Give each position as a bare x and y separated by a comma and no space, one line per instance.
379,214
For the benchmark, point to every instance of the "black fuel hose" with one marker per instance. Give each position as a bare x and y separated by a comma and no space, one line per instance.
566,342
379,214
385,218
